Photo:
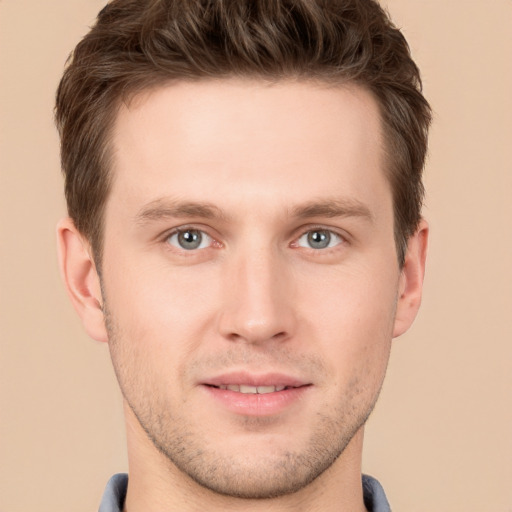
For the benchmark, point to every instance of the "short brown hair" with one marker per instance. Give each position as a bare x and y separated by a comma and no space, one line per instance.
137,44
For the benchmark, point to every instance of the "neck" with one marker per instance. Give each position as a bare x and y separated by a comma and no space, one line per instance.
157,485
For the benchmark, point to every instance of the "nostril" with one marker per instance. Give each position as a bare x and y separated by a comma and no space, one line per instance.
254,336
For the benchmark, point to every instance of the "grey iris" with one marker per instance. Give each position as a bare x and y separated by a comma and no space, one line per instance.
190,239
319,239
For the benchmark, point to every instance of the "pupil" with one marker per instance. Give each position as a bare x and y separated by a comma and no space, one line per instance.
319,239
190,239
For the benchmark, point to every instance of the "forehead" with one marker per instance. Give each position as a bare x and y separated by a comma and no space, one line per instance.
286,139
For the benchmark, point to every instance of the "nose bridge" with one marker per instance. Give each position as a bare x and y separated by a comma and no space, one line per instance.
258,303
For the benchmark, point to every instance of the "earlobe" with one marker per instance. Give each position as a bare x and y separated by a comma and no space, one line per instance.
411,280
81,278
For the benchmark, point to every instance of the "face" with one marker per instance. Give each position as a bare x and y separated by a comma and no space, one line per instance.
250,277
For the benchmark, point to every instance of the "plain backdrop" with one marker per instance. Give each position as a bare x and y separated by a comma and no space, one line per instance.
440,438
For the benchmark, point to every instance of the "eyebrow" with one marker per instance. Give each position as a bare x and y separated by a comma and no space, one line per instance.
161,209
332,208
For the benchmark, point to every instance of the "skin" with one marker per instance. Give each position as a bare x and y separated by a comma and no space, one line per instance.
255,168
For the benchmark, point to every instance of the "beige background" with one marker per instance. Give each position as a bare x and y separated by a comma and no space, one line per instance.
440,438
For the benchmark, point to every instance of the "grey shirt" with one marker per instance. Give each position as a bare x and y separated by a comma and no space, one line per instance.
113,499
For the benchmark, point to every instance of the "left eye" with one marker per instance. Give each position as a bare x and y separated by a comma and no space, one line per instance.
319,239
189,239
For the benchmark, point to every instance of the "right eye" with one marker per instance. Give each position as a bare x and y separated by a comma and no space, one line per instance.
189,239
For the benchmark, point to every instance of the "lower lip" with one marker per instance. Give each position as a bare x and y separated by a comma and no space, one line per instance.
256,404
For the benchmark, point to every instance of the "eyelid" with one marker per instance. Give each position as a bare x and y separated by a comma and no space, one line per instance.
344,237
304,230
182,228
322,227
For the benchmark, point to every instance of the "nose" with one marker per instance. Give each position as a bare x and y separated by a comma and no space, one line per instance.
257,305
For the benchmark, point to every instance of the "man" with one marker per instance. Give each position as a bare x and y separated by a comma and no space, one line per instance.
244,188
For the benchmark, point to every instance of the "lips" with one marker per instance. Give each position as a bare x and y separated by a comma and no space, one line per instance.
244,382
242,388
255,395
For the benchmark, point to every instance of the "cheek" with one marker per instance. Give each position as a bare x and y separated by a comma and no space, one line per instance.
351,316
163,312
359,300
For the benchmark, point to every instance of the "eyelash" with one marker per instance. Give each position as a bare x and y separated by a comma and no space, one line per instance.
185,229
342,239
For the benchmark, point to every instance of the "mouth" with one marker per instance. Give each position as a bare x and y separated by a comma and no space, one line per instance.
252,390
256,395
252,383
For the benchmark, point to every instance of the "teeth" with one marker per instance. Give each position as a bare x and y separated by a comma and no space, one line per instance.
248,389
242,388
266,389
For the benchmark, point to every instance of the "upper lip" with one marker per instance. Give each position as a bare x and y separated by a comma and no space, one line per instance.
254,379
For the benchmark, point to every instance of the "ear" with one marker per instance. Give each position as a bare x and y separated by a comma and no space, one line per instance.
82,282
411,280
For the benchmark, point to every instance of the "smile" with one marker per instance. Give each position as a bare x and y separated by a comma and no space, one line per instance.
257,400
253,394
261,390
